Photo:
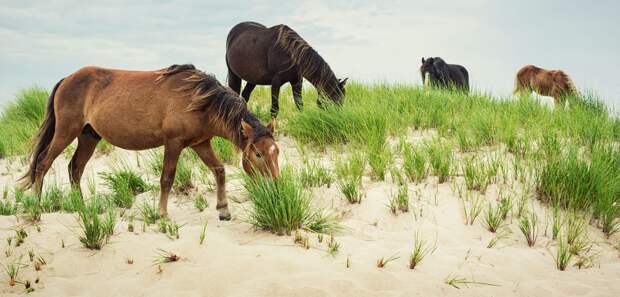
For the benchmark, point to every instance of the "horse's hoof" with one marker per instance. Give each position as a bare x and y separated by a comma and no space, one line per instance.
163,214
225,217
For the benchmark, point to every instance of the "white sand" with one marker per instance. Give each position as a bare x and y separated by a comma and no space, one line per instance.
236,260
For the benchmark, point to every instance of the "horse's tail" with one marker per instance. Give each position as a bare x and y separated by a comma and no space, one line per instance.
42,140
311,64
518,87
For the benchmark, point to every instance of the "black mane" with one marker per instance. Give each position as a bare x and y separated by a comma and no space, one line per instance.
210,96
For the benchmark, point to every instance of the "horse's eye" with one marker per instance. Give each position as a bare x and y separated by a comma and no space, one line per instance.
258,156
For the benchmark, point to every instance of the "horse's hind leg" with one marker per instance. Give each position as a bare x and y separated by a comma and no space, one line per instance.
65,132
206,154
247,91
87,142
172,151
299,102
234,82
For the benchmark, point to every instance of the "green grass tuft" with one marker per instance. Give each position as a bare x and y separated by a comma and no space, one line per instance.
124,184
96,229
283,205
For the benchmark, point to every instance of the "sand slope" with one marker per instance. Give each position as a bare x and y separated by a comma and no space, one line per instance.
236,260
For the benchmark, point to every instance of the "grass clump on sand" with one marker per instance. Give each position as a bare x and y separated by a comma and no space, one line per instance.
378,154
96,229
28,206
124,184
477,174
493,218
420,250
201,203
414,163
313,174
400,201
150,213
283,205
577,183
349,177
563,255
7,208
51,200
72,201
528,225
440,157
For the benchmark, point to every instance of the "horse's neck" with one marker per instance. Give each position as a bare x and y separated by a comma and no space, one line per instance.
222,130
324,84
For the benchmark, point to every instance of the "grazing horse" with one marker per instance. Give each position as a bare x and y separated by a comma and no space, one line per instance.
176,107
435,71
274,56
554,83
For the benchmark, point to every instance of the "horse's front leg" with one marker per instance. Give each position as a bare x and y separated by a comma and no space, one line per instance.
276,83
172,151
206,154
297,85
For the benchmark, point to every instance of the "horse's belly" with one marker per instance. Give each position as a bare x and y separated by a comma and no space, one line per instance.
128,139
249,63
128,132
255,74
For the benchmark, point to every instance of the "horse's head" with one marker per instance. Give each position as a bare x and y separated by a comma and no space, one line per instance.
261,151
337,91
434,70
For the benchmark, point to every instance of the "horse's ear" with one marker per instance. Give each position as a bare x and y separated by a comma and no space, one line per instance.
343,82
422,60
247,130
272,125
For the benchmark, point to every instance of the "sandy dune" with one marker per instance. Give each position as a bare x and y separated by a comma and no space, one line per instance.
236,260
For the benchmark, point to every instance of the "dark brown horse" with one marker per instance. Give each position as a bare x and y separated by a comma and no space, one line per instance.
554,83
176,107
275,56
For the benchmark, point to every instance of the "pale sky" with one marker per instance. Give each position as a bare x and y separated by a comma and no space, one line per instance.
43,41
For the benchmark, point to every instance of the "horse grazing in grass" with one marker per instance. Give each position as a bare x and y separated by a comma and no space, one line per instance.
274,56
176,107
554,83
435,71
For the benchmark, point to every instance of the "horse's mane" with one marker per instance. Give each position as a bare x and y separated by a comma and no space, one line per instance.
208,95
569,82
311,64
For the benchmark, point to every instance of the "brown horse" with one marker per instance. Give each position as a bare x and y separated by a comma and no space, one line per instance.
274,56
554,83
176,107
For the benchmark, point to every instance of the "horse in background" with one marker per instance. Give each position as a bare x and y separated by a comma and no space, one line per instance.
275,56
554,83
435,71
176,107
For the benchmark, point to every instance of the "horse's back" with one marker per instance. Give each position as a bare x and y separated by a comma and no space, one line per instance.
529,70
247,52
459,75
240,29
94,82
461,70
